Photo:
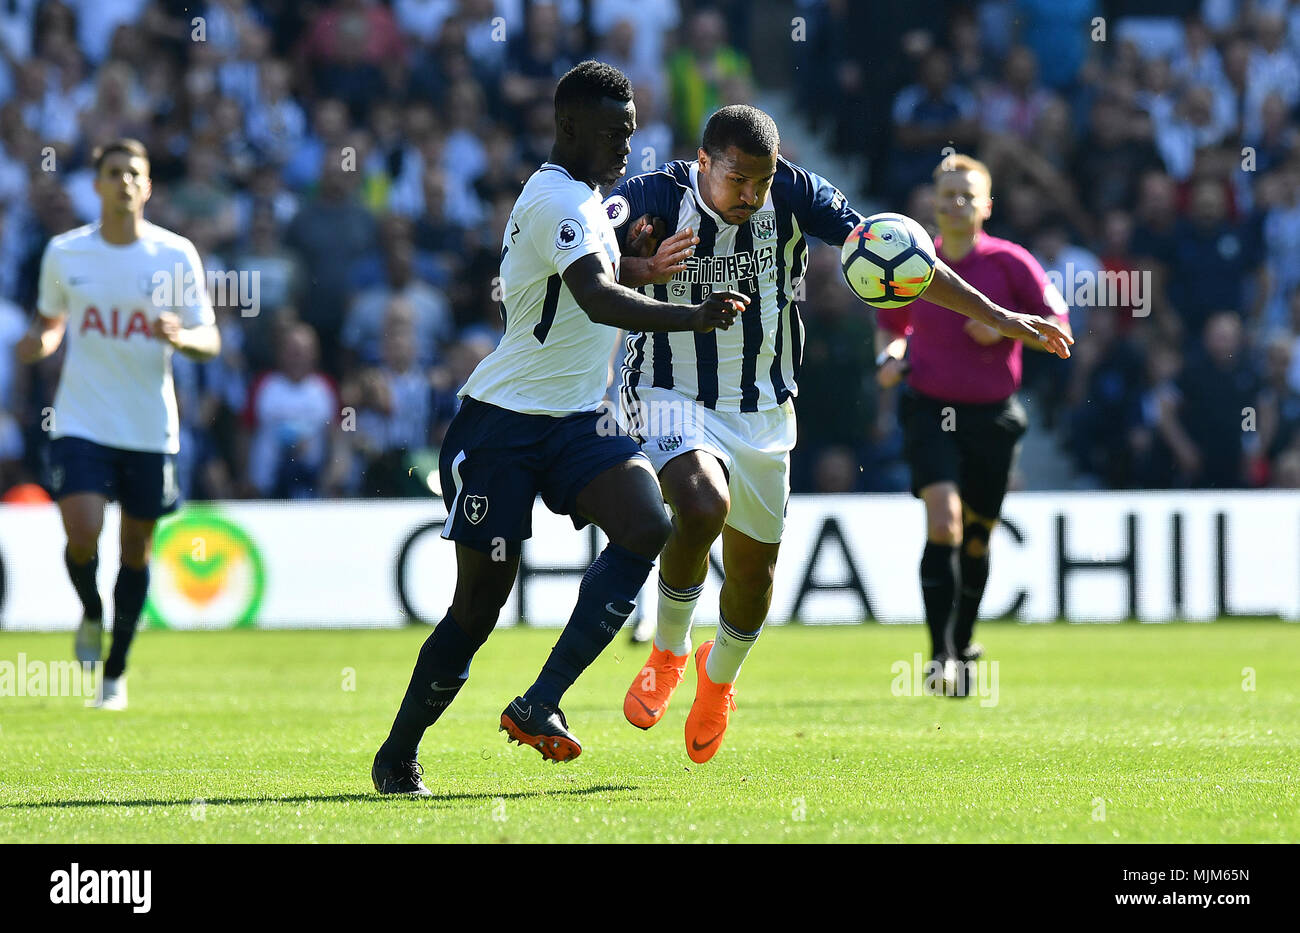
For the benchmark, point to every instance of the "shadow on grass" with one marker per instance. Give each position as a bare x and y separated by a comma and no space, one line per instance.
328,798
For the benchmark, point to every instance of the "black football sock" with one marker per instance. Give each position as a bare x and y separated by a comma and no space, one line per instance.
128,601
974,576
606,597
83,581
938,591
440,671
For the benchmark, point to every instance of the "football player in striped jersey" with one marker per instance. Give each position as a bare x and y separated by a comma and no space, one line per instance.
714,411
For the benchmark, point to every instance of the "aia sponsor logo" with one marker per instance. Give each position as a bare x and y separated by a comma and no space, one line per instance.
115,323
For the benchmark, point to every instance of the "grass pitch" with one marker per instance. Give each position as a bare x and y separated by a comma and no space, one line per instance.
1111,733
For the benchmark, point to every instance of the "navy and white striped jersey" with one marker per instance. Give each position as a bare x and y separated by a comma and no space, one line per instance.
754,365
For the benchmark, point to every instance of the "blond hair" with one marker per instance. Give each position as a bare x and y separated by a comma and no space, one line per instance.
960,163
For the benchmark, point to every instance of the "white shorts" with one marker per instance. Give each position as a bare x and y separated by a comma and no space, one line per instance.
753,446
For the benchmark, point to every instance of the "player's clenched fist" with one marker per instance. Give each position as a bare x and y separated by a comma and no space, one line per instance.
167,327
718,310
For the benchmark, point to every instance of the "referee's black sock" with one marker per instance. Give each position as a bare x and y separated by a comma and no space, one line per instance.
83,581
974,576
938,591
440,671
128,601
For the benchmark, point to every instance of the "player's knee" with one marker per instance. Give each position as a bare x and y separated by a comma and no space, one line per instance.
82,549
701,516
646,532
83,539
944,529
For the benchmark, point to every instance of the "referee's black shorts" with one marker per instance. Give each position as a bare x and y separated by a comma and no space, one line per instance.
973,446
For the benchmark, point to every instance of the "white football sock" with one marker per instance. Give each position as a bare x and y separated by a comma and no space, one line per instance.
729,652
673,633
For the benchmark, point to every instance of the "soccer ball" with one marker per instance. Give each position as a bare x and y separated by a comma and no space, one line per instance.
888,260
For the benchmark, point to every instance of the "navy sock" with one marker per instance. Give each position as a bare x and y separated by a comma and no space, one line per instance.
939,591
606,597
83,581
128,601
440,671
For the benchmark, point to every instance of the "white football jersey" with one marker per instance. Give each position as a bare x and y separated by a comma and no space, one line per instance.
116,385
553,359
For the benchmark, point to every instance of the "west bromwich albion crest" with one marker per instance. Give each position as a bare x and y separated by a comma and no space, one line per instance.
763,225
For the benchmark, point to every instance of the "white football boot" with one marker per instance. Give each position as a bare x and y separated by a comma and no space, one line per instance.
112,694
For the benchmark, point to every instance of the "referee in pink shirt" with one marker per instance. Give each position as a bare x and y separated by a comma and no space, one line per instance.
961,421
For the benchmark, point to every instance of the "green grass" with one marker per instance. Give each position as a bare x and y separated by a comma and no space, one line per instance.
251,736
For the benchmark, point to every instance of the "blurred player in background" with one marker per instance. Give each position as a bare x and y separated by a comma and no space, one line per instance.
961,421
532,422
714,411
126,294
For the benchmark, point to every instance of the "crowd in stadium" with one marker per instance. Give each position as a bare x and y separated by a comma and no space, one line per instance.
361,157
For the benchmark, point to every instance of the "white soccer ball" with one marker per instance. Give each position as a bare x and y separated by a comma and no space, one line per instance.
888,260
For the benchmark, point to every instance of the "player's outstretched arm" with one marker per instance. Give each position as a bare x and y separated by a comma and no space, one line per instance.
607,302
198,343
41,339
951,291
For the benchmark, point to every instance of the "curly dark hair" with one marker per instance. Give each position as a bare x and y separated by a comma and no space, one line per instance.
588,83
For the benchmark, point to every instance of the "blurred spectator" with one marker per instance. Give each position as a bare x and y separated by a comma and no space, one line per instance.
328,232
355,53
928,116
293,416
1110,159
1213,262
1016,103
1106,381
396,407
1059,32
705,74
1278,428
1216,389
430,319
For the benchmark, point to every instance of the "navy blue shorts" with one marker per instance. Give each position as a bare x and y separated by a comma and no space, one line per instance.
495,462
143,482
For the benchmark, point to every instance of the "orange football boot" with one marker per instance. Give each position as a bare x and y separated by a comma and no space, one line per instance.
648,697
707,721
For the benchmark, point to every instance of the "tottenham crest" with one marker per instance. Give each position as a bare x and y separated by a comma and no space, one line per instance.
763,225
475,508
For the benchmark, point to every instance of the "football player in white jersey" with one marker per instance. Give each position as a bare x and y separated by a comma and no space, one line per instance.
532,422
715,414
125,294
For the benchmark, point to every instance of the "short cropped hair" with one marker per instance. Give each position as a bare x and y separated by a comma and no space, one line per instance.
589,83
747,128
132,147
962,164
